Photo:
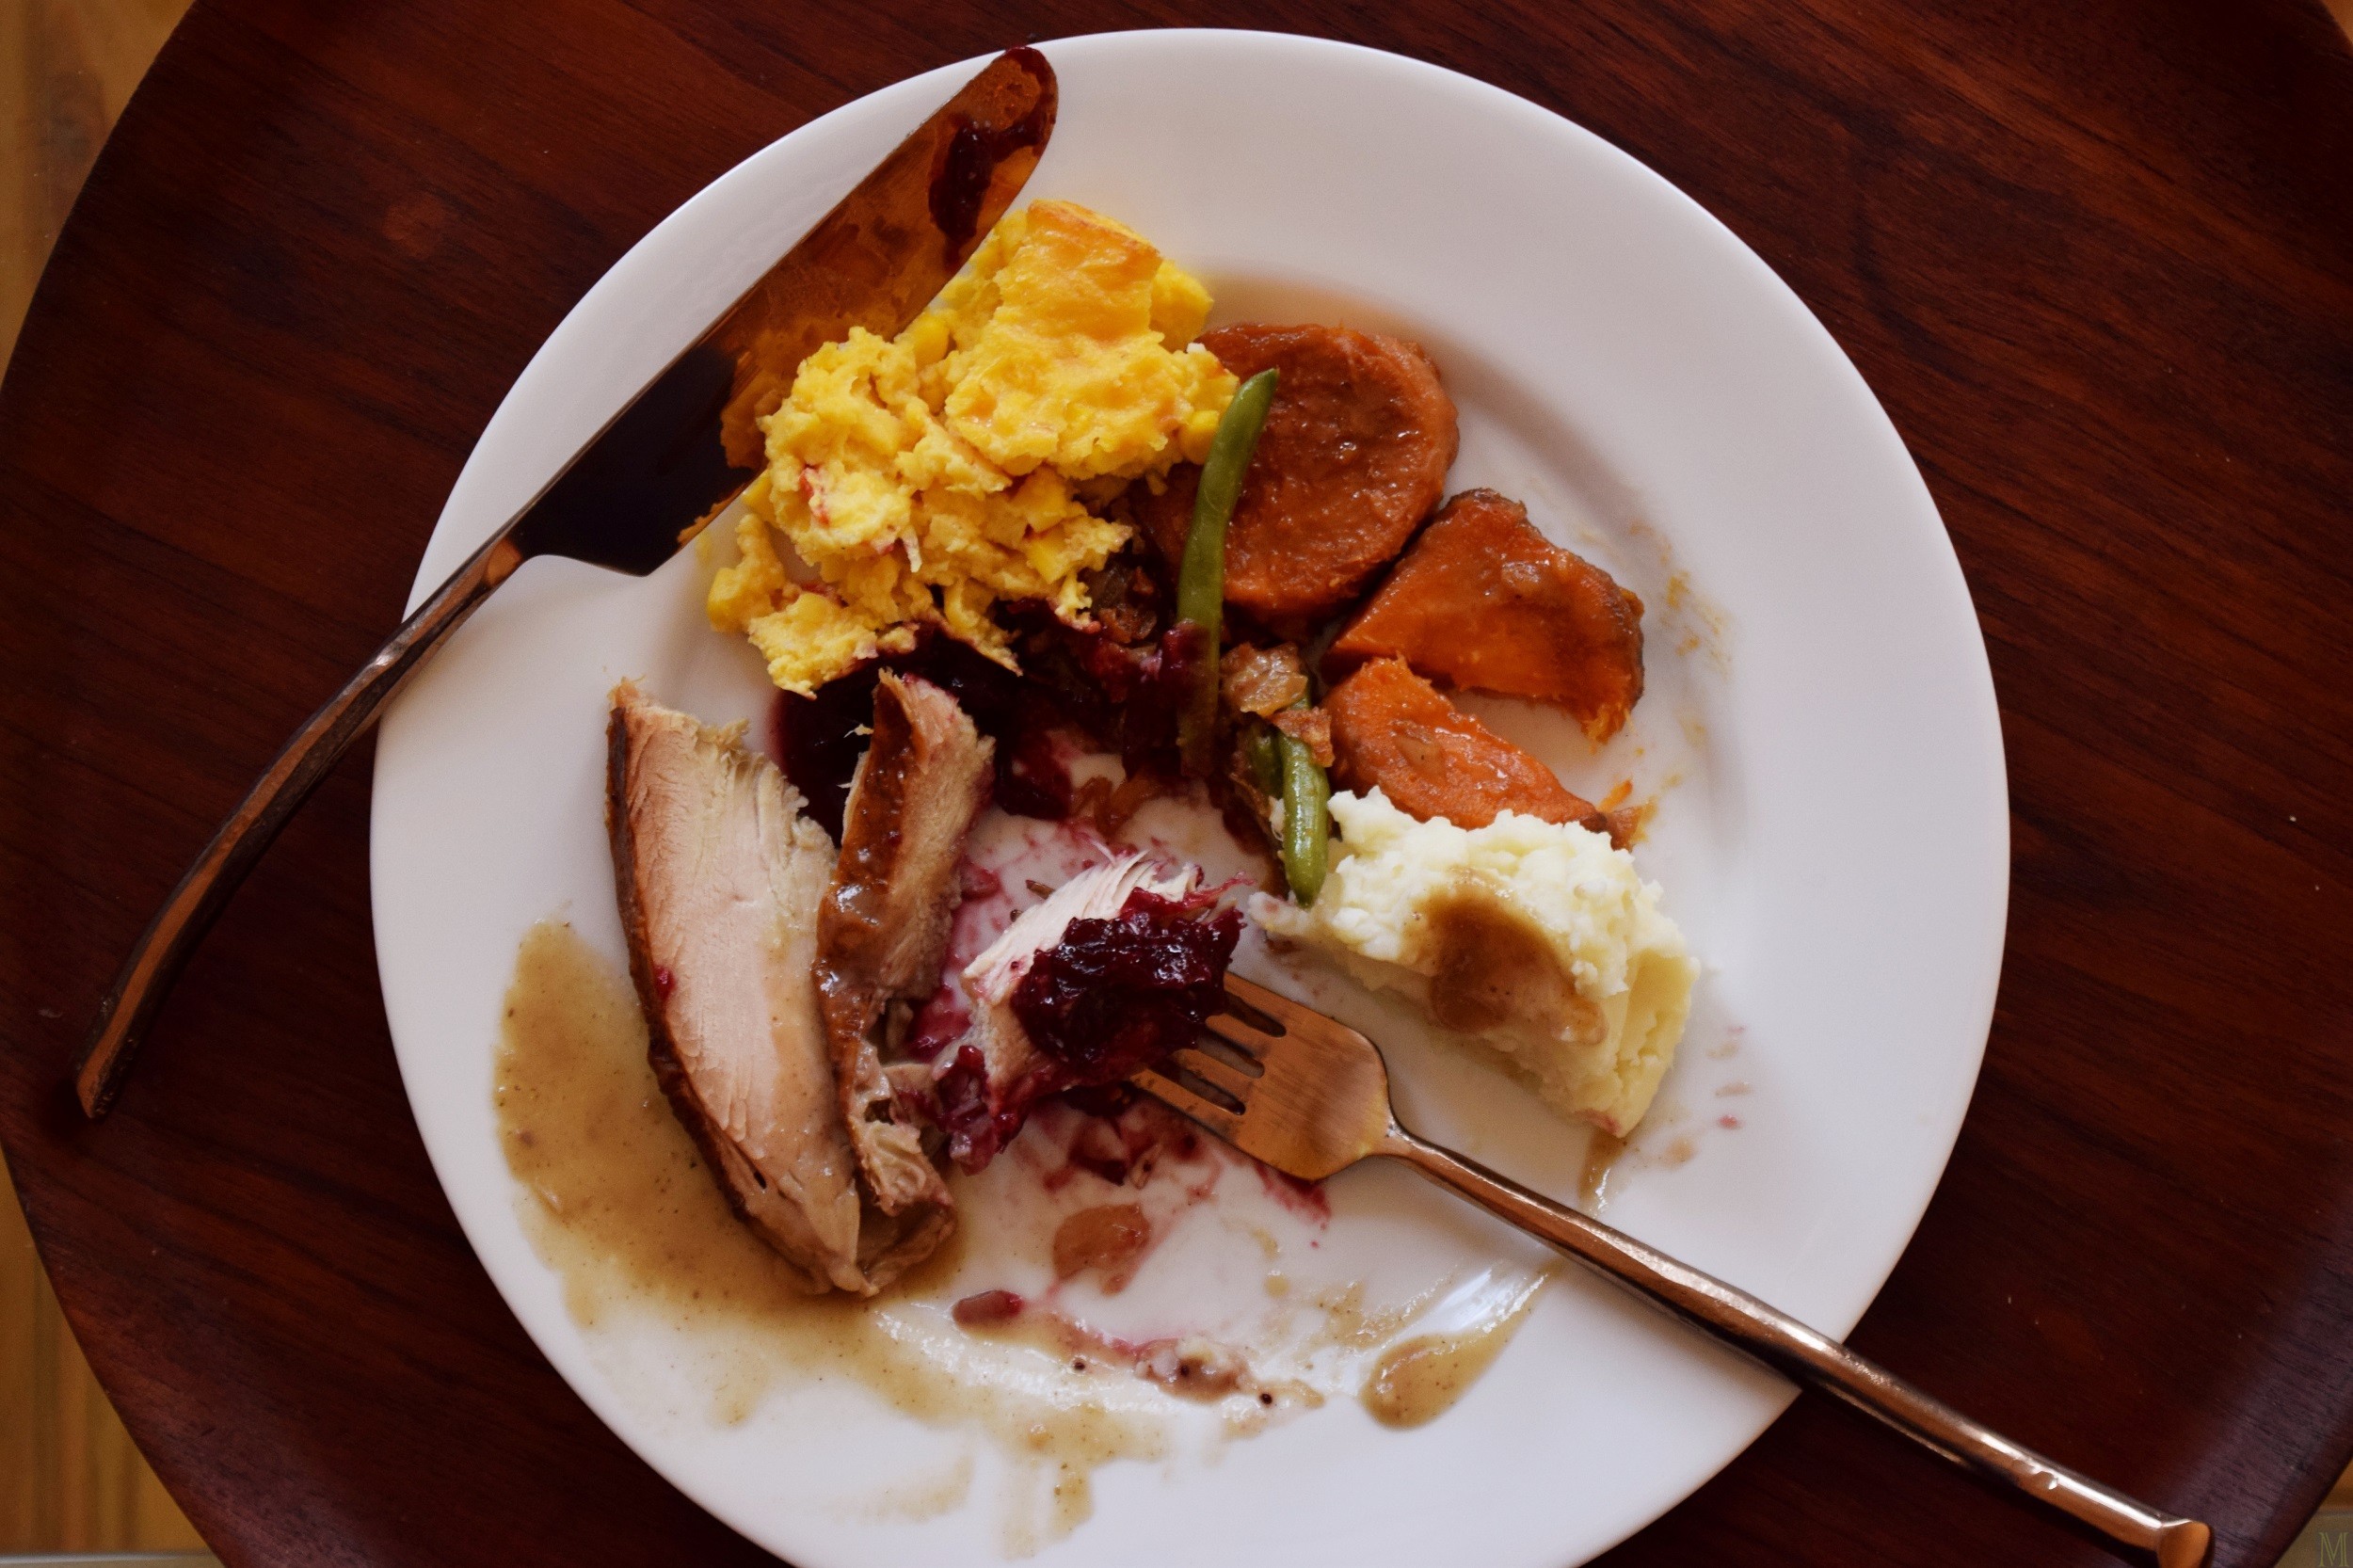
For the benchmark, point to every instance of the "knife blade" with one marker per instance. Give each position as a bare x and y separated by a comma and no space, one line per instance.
689,442
673,457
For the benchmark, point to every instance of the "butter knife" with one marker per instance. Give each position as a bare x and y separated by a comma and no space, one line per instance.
675,457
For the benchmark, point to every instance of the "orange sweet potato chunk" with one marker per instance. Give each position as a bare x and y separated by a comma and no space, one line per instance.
1485,602
1392,729
1353,458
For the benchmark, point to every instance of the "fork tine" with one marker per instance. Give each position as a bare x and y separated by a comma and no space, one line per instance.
1244,1037
1274,1004
1239,1006
1225,1123
1209,1071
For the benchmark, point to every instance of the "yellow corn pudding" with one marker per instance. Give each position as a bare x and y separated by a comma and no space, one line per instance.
1536,939
924,480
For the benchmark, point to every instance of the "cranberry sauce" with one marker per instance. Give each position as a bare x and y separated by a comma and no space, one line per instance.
1116,994
989,1307
818,741
1032,779
1121,696
961,1105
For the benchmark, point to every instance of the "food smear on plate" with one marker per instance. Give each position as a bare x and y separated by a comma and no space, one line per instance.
1537,941
926,479
1192,1366
1420,1378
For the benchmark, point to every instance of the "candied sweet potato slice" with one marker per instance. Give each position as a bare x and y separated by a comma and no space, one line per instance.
1353,458
1392,729
1485,602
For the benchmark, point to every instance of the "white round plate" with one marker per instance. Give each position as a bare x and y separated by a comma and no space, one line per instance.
1820,733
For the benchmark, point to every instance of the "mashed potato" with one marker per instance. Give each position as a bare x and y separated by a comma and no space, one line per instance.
1536,938
927,478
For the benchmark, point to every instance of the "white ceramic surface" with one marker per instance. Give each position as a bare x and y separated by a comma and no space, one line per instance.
1820,731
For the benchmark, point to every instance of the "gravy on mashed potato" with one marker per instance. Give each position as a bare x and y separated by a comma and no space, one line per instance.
1536,938
927,477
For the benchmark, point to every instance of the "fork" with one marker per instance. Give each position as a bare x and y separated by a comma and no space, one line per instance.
1311,1096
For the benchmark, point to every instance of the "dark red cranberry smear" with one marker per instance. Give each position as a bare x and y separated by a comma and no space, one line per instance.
1079,685
976,1127
818,742
989,1307
1033,776
1116,994
968,166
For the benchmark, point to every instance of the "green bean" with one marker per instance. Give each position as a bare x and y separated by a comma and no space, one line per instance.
1306,819
1201,577
1263,757
1201,581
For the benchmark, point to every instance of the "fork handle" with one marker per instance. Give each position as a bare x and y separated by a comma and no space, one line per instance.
1800,1352
138,991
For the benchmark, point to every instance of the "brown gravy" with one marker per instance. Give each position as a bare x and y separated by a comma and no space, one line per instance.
1110,1238
1601,1158
614,1198
1419,1378
1191,1367
1494,970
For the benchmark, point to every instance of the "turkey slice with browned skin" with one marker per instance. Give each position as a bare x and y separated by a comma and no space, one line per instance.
882,931
719,877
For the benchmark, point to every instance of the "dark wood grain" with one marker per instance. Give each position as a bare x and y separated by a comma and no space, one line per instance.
2096,259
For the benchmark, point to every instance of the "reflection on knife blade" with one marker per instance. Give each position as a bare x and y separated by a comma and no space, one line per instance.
673,457
690,441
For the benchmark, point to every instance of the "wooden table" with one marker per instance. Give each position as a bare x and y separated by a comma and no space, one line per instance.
2097,261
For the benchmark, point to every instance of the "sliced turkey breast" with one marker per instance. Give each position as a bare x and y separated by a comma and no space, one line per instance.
720,877
882,931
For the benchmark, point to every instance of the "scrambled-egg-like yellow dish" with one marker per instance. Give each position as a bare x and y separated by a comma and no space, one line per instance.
929,477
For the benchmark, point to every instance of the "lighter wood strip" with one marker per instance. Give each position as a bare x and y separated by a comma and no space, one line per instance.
67,68
70,1479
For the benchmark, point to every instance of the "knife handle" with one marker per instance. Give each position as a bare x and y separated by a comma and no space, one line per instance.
138,991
